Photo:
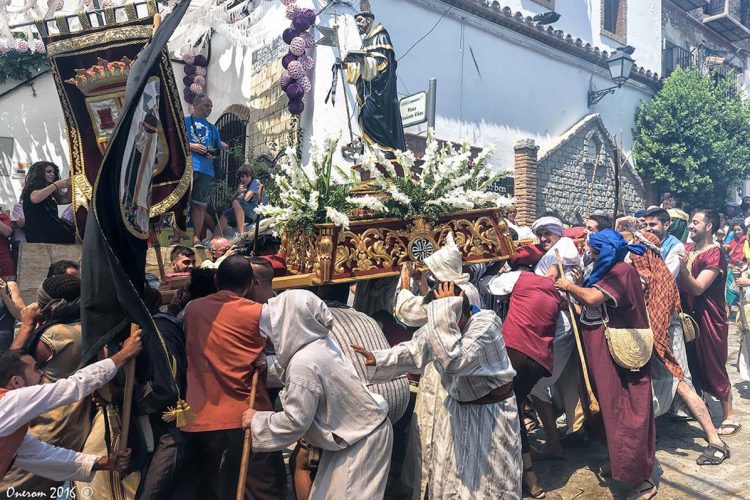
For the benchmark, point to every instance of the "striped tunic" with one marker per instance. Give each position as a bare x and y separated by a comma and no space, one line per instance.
476,449
353,327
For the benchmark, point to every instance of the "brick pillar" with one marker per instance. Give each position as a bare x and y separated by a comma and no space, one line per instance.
525,171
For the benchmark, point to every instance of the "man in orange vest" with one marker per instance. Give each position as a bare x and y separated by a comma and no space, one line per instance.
22,399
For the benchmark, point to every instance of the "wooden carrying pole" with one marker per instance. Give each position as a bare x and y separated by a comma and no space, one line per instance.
593,403
127,397
247,444
156,245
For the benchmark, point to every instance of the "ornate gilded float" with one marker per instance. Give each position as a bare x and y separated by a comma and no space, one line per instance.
347,224
376,248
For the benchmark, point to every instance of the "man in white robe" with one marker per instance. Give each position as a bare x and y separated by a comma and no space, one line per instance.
477,453
325,402
549,230
23,398
445,265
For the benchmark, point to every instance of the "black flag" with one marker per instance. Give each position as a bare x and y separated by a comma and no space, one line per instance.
115,243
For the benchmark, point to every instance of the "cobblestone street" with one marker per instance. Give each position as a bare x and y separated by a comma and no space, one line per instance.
678,446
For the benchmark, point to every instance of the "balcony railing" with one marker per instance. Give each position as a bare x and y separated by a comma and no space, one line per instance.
720,71
675,57
729,18
691,4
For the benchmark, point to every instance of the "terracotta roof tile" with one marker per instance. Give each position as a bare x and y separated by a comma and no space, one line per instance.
505,17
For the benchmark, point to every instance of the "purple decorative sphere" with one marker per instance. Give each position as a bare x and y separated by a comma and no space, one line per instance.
289,35
285,81
296,70
300,22
200,60
287,59
297,47
189,69
292,11
309,16
189,95
296,107
309,40
187,80
295,91
307,62
306,84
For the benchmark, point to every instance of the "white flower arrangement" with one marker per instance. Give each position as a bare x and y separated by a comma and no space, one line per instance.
368,202
315,193
447,180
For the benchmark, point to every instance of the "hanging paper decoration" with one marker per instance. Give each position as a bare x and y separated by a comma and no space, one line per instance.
295,82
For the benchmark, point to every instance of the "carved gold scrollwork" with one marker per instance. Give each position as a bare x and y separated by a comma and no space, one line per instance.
380,246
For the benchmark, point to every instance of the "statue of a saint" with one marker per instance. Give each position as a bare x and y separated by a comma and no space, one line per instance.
373,71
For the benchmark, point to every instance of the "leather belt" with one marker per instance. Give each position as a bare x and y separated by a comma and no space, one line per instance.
496,395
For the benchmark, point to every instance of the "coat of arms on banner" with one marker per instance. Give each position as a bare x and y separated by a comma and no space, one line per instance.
90,65
103,86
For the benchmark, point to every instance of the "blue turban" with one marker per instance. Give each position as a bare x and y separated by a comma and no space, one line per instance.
611,248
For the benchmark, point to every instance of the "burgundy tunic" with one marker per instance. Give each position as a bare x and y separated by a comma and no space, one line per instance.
709,311
529,327
626,422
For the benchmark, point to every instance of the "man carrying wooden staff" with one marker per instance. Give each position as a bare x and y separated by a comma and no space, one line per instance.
224,345
612,298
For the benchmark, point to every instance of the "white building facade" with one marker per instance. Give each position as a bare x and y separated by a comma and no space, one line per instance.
501,78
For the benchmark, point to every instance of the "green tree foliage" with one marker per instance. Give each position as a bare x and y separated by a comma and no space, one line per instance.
21,66
693,138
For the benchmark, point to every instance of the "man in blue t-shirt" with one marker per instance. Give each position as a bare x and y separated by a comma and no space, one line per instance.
205,145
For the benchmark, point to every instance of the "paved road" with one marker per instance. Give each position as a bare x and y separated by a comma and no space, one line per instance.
678,445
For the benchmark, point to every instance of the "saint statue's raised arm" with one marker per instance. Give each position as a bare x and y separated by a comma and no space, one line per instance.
373,70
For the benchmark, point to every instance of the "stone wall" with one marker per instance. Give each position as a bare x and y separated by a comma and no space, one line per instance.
270,121
575,175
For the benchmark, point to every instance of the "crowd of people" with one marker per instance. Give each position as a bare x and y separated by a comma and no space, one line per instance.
424,385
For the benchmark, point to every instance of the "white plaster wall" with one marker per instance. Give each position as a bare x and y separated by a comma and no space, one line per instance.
525,89
582,19
37,127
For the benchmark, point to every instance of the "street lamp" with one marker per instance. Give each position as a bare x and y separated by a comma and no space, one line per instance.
620,65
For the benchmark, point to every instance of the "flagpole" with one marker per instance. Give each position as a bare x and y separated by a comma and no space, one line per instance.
127,397
127,401
156,245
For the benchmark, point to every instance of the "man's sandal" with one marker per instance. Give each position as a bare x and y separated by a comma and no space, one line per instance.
714,454
728,428
535,492
644,493
605,470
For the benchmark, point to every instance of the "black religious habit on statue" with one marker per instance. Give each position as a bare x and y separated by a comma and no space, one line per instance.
379,111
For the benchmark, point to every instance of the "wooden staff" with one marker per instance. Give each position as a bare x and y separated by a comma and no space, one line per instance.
743,324
127,397
156,245
593,403
247,444
257,222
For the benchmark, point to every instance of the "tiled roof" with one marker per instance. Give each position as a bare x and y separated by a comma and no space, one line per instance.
505,17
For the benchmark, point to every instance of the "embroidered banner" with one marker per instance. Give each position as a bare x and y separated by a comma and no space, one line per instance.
90,68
